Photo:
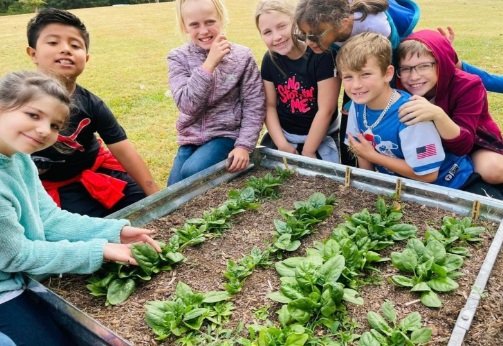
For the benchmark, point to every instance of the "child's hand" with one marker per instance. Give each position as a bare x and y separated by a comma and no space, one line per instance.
219,48
361,147
131,235
238,160
419,109
288,148
118,253
448,34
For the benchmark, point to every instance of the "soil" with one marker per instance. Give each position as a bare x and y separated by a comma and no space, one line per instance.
205,264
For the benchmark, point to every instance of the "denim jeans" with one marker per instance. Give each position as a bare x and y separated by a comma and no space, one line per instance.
191,159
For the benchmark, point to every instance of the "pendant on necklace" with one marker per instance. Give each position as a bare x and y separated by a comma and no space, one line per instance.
368,135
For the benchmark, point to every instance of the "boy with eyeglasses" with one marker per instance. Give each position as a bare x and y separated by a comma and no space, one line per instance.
374,134
454,100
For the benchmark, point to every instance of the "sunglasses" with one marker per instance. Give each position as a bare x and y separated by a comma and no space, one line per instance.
311,37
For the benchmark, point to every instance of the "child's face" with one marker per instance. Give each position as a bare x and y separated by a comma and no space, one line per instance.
320,38
201,21
32,127
60,51
367,86
418,74
276,32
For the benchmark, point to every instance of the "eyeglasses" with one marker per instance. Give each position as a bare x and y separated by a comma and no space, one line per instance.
420,69
311,37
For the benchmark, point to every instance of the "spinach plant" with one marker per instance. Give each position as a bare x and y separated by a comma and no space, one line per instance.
382,228
431,268
186,312
299,222
388,330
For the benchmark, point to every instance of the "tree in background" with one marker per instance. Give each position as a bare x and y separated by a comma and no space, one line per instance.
32,4
26,6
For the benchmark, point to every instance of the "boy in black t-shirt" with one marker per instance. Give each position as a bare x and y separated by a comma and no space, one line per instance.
79,173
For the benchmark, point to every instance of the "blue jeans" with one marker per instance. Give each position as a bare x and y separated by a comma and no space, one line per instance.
191,159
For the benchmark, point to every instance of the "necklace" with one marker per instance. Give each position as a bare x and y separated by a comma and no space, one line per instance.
381,116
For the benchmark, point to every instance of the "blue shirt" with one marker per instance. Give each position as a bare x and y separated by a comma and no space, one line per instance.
419,145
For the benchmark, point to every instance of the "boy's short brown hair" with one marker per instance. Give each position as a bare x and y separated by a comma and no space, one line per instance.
412,48
355,53
49,16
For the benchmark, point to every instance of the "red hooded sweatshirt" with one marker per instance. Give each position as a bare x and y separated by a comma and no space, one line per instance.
463,97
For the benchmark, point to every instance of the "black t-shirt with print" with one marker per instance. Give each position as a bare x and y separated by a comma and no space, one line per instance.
296,83
77,145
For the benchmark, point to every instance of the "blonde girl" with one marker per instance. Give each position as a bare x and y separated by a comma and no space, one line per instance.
217,88
300,87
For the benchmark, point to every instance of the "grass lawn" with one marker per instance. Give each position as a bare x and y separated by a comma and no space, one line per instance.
127,68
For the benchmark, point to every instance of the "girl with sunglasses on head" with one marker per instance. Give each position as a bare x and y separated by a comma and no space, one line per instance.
301,89
37,237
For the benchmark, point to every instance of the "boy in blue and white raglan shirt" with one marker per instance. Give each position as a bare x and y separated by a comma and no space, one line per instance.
374,131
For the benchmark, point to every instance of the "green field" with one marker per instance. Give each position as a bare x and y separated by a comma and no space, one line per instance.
129,44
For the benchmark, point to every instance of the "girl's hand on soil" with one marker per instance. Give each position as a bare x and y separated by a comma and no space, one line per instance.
219,48
118,253
238,160
361,147
419,109
131,235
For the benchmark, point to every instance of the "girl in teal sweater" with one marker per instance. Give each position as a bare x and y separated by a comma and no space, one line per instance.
36,237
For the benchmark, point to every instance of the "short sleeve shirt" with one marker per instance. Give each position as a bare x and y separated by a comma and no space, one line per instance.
296,83
419,145
77,145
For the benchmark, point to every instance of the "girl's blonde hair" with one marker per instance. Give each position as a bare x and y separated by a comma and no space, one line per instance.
219,7
281,6
315,12
19,88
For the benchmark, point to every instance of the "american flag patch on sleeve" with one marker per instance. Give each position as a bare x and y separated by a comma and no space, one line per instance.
426,151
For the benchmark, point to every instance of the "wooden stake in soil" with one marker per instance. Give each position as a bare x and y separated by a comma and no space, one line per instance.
398,189
347,177
285,163
475,210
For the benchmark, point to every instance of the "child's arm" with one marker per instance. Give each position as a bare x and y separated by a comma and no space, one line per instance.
363,149
134,165
418,109
328,95
253,105
272,120
191,86
469,103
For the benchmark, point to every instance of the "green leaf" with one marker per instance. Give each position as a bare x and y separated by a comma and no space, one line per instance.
284,315
421,336
351,296
411,322
388,310
368,340
296,339
120,290
279,297
332,269
403,281
405,260
403,231
215,296
421,287
377,322
445,284
431,300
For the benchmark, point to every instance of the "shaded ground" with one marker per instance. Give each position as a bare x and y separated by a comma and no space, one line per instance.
205,264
